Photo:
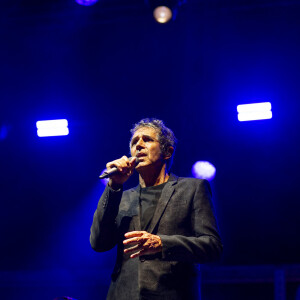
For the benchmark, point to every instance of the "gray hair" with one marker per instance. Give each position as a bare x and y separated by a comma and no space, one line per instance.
166,137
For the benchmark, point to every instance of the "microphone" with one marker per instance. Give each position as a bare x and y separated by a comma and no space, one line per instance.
114,170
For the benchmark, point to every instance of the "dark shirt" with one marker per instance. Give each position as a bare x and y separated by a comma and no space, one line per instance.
149,197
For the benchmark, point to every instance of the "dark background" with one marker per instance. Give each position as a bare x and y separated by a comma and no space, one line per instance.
105,67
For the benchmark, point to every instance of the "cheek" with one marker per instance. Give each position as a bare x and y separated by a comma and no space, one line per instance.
156,153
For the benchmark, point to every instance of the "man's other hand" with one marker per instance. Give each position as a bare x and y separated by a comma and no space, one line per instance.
142,242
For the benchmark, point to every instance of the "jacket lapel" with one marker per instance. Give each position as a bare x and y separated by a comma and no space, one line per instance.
166,194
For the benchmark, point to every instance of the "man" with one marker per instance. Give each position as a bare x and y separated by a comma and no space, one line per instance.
162,227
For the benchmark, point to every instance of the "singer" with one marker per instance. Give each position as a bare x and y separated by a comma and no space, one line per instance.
162,227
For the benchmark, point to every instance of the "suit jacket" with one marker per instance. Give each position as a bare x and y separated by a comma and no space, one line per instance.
185,222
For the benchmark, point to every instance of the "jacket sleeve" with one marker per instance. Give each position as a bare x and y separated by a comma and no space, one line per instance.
204,244
104,232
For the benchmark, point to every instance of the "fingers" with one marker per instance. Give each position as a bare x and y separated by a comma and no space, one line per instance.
133,160
125,169
135,237
139,250
138,240
139,253
135,234
135,248
122,164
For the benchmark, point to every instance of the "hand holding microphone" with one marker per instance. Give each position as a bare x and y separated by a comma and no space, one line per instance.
119,170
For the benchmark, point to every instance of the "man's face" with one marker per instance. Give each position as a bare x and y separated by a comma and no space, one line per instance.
144,144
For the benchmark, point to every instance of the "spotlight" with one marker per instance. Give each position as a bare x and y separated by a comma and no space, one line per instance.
86,2
162,14
204,170
254,111
52,128
164,10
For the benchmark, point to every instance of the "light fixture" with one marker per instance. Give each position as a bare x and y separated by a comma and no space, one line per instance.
204,170
86,2
164,10
254,111
162,14
52,128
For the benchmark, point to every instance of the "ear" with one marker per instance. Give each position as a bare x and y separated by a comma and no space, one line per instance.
169,153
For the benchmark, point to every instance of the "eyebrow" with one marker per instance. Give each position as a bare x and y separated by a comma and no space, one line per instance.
144,135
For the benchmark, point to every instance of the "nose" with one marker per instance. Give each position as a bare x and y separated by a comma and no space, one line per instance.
140,144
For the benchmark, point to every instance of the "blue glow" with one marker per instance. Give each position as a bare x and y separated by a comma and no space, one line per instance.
254,111
86,2
3,132
52,128
204,170
104,180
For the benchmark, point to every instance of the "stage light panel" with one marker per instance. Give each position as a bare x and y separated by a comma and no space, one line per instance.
52,128
86,2
204,170
254,111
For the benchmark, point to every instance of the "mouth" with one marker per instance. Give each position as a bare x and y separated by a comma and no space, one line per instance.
139,155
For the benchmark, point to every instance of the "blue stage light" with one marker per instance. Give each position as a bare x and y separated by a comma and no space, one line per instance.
3,132
104,180
204,170
254,111
52,128
86,2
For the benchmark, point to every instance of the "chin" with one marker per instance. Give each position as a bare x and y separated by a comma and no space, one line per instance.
141,165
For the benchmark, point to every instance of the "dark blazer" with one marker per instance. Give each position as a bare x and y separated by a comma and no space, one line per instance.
185,222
